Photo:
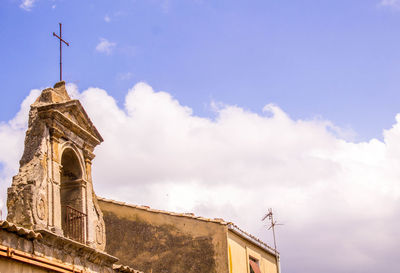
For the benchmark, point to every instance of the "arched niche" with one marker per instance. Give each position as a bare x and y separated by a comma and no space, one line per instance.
71,167
72,191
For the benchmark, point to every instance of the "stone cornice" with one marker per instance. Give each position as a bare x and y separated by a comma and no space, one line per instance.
56,115
72,106
71,246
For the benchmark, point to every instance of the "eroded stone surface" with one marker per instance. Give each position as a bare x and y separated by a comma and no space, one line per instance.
59,133
54,248
158,241
161,248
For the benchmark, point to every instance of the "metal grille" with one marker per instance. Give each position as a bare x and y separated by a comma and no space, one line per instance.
75,225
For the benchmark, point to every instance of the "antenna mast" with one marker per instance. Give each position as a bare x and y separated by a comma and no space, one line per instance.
270,216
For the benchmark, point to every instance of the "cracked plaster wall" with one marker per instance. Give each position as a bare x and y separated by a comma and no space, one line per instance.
160,243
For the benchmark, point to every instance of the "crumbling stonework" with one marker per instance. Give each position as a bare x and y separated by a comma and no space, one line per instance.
55,169
26,251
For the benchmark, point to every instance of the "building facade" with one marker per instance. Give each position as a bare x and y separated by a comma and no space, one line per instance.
248,254
159,241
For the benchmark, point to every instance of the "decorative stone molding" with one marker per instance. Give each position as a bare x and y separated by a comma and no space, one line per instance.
51,252
41,207
72,248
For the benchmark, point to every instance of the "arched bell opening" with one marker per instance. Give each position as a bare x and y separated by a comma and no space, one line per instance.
72,196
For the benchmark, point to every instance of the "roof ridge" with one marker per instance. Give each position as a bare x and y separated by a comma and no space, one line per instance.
185,214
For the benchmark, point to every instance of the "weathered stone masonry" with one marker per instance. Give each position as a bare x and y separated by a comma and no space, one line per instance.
54,222
55,169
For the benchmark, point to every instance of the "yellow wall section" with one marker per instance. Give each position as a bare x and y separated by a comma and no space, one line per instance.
241,249
6,265
230,260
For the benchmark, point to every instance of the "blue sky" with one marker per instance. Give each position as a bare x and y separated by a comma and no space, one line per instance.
338,60
316,61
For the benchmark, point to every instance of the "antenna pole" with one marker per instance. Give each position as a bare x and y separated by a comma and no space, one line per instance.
273,228
270,216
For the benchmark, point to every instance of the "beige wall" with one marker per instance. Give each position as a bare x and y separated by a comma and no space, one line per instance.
159,242
239,251
8,266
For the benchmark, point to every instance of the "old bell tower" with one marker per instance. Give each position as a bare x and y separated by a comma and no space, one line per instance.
53,190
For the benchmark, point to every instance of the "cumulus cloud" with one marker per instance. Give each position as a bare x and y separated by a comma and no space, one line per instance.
27,4
338,200
105,46
11,144
107,19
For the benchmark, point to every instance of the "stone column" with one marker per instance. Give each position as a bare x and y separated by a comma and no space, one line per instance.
56,169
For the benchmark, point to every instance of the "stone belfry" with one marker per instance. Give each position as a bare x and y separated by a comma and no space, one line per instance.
53,190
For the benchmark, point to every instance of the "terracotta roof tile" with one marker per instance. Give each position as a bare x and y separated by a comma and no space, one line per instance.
27,233
125,269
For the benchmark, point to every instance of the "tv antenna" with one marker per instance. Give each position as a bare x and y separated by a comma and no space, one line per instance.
270,216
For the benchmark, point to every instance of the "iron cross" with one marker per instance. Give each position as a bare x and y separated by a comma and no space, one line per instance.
61,41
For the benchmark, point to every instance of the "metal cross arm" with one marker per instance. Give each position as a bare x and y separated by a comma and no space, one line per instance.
61,39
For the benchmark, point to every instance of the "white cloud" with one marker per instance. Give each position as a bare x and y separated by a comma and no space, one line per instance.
27,4
11,144
107,18
105,46
390,3
339,200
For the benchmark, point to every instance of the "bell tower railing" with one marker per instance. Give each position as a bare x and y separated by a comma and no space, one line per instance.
75,224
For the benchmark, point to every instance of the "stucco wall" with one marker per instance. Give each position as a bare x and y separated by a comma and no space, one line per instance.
158,242
239,252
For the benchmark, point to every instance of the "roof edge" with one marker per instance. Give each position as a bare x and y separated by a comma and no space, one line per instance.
125,269
147,208
247,236
231,226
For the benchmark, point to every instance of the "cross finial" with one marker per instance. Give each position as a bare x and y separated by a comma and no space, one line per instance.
61,41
